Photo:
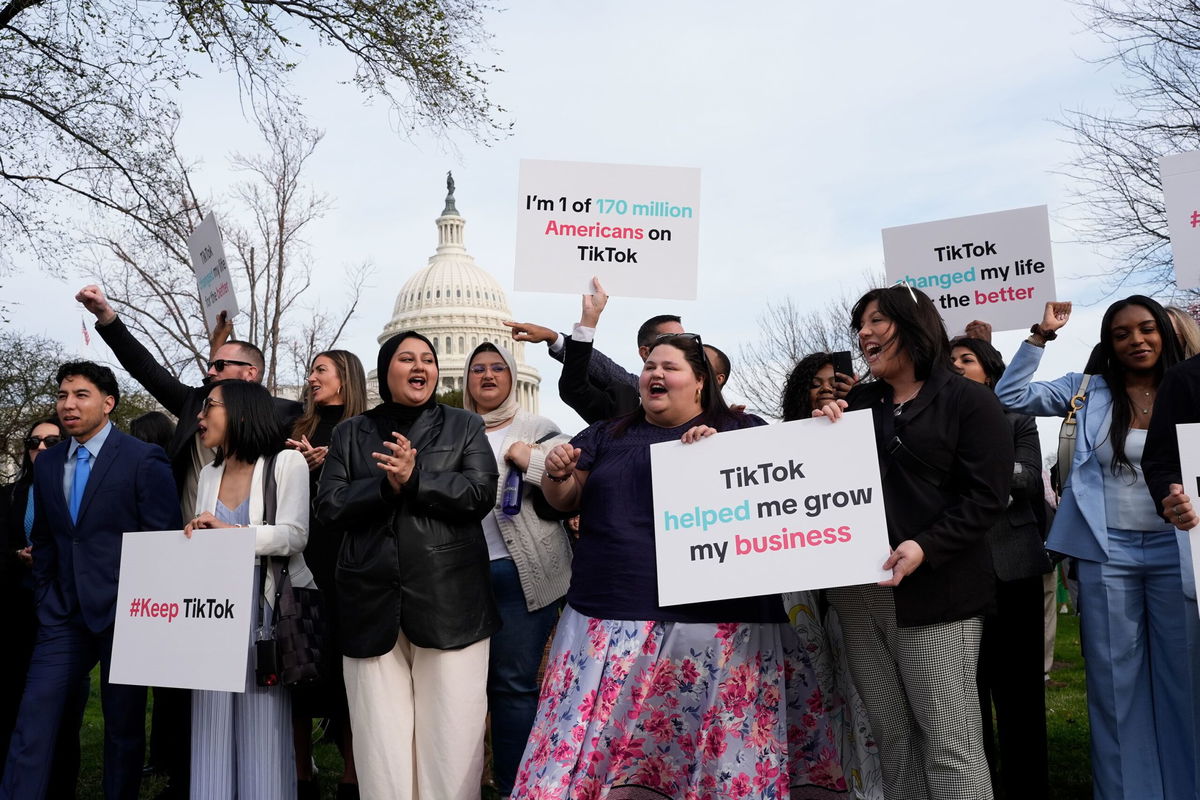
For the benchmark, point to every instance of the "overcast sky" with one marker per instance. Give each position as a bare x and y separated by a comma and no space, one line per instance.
814,127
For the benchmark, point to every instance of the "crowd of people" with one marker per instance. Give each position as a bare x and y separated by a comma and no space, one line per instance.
452,545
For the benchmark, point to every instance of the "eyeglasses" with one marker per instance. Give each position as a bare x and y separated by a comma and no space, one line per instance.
208,403
32,442
221,363
497,368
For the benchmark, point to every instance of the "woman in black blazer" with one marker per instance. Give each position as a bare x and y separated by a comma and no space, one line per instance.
945,457
409,482
1012,654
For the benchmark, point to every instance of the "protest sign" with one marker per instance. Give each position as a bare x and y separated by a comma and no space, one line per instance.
1189,468
212,272
636,228
771,509
184,609
992,267
1181,191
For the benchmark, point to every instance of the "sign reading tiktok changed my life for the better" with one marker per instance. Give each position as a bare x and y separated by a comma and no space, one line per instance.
637,227
992,267
770,509
184,609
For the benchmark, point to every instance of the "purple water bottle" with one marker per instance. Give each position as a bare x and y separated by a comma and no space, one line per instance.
510,500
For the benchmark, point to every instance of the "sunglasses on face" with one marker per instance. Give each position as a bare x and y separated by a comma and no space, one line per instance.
33,442
221,363
208,403
497,369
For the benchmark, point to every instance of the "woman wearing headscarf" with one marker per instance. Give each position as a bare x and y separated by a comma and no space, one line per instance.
530,556
409,482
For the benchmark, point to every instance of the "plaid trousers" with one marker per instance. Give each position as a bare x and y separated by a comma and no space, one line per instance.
919,687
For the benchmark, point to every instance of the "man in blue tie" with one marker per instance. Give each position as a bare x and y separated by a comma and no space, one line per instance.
88,490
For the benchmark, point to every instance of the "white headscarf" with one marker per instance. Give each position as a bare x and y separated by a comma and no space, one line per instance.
509,408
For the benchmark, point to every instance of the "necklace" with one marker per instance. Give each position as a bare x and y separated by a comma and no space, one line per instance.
1137,405
899,409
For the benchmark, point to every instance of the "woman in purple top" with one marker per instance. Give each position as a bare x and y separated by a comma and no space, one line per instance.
700,700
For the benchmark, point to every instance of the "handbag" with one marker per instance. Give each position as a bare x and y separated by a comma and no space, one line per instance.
1067,434
298,622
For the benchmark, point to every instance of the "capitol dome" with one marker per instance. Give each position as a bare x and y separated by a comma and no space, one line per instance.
457,304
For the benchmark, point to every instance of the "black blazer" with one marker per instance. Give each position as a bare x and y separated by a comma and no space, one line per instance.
13,499
591,400
946,499
416,561
175,396
1017,539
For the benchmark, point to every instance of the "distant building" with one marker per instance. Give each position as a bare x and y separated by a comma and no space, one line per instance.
457,305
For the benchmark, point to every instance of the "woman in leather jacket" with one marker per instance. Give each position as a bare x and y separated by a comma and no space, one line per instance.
409,482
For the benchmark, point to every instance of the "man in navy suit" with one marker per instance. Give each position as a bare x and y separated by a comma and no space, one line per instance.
88,490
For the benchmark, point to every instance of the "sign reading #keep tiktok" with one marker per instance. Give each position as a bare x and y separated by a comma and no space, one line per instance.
184,609
771,509
1181,191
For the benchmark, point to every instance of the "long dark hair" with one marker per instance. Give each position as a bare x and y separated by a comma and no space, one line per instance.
919,329
354,391
714,411
252,430
154,427
25,476
1104,362
988,357
795,402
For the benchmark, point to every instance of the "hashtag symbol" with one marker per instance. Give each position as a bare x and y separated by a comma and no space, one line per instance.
1196,219
133,608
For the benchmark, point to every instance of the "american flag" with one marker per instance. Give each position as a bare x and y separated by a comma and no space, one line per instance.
87,337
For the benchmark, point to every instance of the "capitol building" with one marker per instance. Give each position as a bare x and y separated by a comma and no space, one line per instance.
457,304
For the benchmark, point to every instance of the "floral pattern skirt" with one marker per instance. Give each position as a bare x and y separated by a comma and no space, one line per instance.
696,711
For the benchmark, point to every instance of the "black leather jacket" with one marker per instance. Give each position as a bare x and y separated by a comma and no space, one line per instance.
415,561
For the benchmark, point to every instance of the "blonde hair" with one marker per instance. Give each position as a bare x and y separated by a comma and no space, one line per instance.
1186,329
354,391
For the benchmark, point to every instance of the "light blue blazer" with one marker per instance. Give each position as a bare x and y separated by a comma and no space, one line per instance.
1080,528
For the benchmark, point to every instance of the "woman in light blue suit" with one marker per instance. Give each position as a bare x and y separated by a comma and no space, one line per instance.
1130,592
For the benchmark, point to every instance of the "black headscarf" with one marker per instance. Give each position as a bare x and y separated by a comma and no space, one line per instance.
397,416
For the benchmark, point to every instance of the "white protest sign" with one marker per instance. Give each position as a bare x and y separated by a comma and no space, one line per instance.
1181,191
212,272
1189,468
184,609
993,267
636,228
771,509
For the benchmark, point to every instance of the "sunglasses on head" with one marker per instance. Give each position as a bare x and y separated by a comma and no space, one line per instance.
220,364
662,337
32,442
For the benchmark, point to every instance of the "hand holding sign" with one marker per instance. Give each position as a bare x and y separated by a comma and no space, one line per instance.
1177,507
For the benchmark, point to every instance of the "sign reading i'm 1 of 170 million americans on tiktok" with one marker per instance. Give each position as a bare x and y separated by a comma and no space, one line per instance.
636,228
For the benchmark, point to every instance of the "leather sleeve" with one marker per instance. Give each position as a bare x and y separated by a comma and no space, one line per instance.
343,497
1028,483
468,493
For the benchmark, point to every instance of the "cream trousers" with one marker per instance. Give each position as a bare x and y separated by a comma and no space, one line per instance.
417,716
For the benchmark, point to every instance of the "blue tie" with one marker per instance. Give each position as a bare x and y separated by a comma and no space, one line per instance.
83,468
29,516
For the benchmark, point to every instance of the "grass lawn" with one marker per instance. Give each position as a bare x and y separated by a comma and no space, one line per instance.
1066,724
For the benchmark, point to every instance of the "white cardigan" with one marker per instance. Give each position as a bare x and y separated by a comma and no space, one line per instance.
289,534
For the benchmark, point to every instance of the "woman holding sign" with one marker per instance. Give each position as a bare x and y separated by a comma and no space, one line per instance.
945,457
529,551
1131,601
409,481
242,743
706,699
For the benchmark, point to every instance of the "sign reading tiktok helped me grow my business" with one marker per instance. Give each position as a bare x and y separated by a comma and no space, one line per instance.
184,609
771,509
637,228
992,267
